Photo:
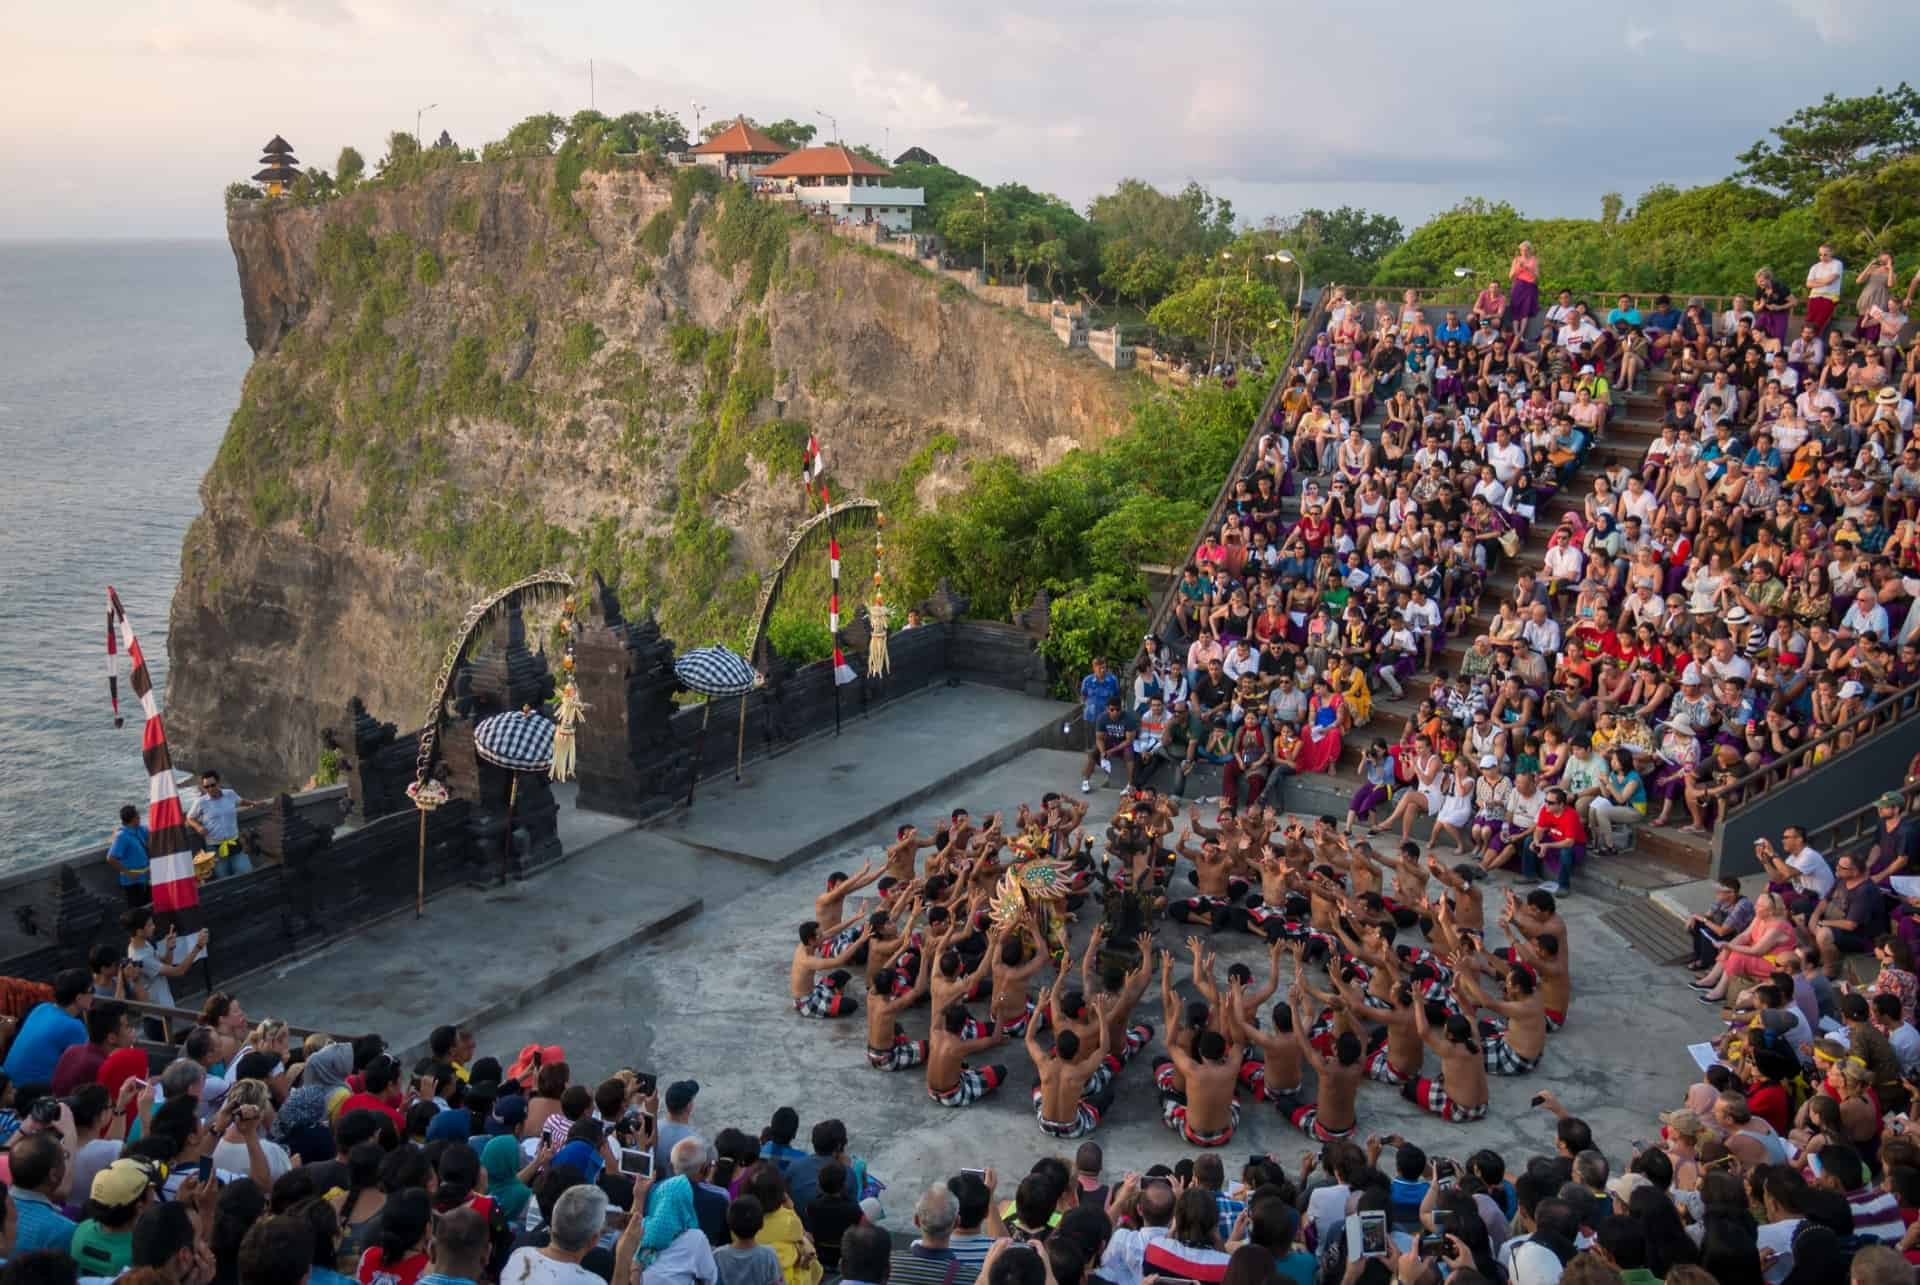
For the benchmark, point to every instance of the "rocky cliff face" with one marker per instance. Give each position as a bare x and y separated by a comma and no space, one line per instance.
502,367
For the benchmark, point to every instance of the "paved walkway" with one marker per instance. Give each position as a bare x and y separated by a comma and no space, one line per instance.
483,953
707,999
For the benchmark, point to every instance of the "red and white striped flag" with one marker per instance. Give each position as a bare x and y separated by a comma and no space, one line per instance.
169,843
833,609
833,558
813,464
842,671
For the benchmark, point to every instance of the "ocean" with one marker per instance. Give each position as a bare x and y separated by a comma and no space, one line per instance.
120,363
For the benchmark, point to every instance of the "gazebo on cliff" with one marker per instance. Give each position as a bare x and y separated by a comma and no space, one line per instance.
281,166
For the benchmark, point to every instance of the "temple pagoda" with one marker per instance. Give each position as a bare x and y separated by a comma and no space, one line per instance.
281,167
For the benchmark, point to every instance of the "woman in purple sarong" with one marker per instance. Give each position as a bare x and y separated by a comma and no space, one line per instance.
1523,299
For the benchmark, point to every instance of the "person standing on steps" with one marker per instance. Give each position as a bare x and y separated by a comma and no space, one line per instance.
215,817
128,857
1096,689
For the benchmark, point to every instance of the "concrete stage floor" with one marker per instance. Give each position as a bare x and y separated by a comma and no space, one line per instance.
706,998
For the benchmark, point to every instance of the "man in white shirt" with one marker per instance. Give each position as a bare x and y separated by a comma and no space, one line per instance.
1541,631
1507,456
1798,864
579,1216
1241,661
1823,289
1125,1257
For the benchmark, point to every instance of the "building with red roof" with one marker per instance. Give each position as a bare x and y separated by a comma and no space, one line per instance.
738,150
843,183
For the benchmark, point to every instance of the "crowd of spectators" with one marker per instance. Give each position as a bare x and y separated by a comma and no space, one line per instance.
1715,593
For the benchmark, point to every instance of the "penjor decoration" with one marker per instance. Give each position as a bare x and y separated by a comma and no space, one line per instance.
878,614
169,845
570,710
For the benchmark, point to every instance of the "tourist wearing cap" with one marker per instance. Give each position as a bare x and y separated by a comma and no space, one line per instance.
1896,839
103,1243
677,1102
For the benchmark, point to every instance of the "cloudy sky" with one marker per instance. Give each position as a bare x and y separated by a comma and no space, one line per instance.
126,118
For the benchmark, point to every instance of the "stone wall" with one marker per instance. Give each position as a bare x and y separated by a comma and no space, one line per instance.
1106,345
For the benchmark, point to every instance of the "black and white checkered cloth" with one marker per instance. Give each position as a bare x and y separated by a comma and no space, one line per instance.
714,671
519,741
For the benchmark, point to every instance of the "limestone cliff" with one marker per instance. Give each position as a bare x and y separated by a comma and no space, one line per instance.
500,367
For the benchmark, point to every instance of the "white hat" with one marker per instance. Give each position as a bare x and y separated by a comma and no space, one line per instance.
1737,616
1586,370
1691,676
1850,689
1488,760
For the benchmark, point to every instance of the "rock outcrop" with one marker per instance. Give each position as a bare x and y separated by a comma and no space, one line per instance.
505,366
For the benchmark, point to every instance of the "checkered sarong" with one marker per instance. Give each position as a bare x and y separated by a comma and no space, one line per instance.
1501,1059
824,1000
905,1053
1086,1118
1111,1065
974,1084
1381,1069
1431,1095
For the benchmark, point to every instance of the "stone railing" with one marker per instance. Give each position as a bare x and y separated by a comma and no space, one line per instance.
1106,345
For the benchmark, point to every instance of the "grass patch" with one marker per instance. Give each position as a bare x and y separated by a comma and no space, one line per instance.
427,269
581,341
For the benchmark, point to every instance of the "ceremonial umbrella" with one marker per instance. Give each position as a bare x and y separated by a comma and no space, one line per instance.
717,671
520,741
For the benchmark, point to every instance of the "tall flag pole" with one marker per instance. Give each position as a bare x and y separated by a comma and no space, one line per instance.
169,845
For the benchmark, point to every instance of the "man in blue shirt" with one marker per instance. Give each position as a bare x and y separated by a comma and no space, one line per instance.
51,1029
1453,329
39,1168
1096,689
129,859
1624,311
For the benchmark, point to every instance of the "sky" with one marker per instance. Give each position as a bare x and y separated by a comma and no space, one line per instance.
127,118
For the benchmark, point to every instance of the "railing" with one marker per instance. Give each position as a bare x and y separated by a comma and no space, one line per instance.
1598,301
1857,827
1745,789
1302,340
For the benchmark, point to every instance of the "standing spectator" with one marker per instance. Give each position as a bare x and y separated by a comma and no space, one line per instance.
678,1123
158,965
215,816
128,856
1096,689
1523,300
1823,289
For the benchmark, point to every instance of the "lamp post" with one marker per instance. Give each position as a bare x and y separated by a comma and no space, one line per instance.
983,234
416,121
831,121
698,107
1299,270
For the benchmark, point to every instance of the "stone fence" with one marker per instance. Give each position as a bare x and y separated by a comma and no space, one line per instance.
1067,321
316,881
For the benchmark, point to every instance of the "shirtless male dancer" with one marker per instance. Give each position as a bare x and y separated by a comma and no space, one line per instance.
1515,1040
812,994
888,1048
1539,941
827,906
1066,1105
1459,1093
950,1081
1333,1116
1205,1113
1012,1009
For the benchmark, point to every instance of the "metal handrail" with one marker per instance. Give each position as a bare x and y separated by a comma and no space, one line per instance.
1836,836
1869,720
1301,342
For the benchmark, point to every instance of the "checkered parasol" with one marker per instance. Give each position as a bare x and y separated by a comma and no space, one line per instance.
519,740
715,671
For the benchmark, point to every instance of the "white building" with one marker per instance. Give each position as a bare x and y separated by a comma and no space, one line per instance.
844,184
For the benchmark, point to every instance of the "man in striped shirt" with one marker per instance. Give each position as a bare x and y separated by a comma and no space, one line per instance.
1876,1211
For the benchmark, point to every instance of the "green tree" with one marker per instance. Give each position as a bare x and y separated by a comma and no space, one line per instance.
972,224
1148,234
1611,204
655,130
1833,139
1343,245
402,148
350,168
791,132
1874,211
1215,307
533,136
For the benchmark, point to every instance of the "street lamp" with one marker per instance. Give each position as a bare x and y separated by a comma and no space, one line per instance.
416,121
1299,270
983,235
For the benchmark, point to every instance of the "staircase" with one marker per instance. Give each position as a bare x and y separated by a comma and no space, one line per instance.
1633,426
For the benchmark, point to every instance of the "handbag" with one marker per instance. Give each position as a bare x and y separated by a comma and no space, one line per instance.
1510,543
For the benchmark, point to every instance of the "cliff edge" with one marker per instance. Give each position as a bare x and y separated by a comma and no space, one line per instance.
506,366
